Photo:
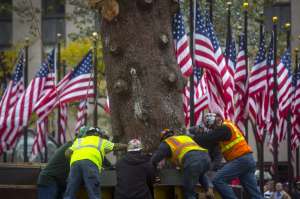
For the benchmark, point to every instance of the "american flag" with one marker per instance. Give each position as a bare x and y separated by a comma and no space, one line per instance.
21,112
76,85
81,114
257,85
200,98
63,123
285,88
230,54
14,89
284,92
208,55
295,111
268,111
182,49
42,126
227,78
12,93
240,91
258,75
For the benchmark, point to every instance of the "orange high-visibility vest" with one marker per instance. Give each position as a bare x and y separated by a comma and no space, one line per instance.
180,145
236,146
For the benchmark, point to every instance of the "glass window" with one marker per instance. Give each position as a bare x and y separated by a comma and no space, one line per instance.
5,23
53,15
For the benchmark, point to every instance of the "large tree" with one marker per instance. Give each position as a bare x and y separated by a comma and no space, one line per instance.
143,80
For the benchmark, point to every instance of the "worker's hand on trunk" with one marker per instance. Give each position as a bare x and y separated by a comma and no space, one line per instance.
210,193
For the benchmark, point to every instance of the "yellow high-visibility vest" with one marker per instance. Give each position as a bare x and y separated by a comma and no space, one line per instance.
89,148
180,145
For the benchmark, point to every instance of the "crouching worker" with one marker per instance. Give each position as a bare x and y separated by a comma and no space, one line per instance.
237,153
87,154
135,173
53,178
184,152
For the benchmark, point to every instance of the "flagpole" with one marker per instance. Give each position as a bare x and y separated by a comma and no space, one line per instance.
95,39
297,150
287,27
228,24
25,132
275,106
245,7
260,143
58,69
192,92
210,3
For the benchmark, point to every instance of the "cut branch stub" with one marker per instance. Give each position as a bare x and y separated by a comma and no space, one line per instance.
110,9
144,4
175,6
164,41
121,87
170,79
115,49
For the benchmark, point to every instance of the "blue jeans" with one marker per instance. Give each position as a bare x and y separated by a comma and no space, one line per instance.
195,164
242,168
47,192
87,172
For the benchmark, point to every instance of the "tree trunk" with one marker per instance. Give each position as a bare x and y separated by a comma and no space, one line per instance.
143,79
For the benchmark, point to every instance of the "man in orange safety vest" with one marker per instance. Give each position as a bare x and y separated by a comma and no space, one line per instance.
237,153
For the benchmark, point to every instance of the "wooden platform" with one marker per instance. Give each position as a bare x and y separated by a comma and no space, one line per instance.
19,181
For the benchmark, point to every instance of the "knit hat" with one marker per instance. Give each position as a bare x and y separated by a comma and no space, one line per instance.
134,145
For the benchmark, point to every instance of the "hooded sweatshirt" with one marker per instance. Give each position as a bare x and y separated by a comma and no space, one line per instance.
134,176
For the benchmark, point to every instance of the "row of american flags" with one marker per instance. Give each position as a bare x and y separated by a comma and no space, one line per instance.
42,95
223,84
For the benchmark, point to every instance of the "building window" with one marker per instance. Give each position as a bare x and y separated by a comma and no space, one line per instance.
53,15
5,24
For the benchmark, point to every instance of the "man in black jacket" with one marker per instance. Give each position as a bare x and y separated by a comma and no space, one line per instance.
134,174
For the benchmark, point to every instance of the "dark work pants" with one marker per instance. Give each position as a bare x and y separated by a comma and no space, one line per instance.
195,165
83,171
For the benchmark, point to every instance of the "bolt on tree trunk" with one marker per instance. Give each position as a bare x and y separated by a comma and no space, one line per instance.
143,79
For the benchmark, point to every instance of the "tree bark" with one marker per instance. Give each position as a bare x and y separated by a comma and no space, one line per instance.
144,82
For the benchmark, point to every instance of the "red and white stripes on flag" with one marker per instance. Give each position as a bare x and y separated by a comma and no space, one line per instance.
24,107
200,101
11,95
42,126
81,114
284,92
240,91
257,87
285,88
296,111
76,85
181,43
208,55
40,139
63,123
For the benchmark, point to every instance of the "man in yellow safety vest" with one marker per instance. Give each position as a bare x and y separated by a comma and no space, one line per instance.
87,154
237,153
184,152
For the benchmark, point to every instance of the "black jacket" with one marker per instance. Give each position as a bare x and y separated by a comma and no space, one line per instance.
134,177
